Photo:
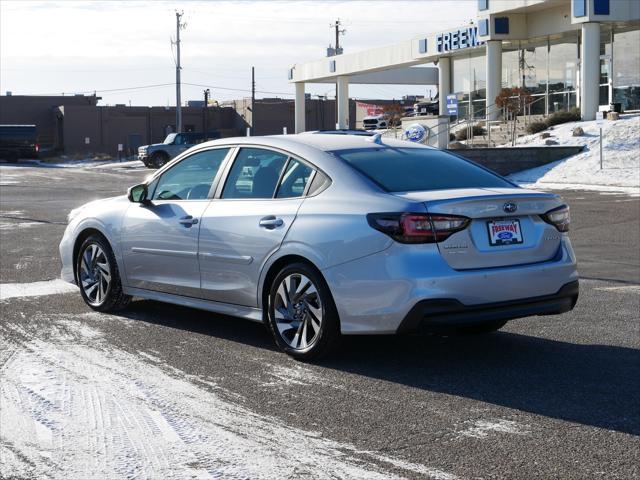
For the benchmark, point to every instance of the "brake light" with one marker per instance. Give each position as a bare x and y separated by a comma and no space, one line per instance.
417,227
558,217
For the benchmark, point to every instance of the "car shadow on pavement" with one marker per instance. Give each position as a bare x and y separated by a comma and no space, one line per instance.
200,322
594,385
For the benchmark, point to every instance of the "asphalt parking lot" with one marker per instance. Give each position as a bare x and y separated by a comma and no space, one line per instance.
551,397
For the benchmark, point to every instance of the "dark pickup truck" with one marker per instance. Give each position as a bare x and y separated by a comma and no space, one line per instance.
18,141
157,154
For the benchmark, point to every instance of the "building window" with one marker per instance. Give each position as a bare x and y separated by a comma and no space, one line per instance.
483,5
501,25
290,74
626,69
579,8
469,84
332,66
601,7
483,27
422,47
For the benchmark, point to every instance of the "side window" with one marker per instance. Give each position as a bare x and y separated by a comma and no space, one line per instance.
294,180
191,178
318,184
254,174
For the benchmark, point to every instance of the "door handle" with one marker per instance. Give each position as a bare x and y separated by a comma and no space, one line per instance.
188,220
271,222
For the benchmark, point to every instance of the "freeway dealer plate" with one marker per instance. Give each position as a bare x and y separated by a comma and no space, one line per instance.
504,232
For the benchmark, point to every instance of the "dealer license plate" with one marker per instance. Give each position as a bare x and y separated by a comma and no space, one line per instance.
504,232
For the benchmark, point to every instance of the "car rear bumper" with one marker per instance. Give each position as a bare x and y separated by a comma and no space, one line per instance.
374,294
439,312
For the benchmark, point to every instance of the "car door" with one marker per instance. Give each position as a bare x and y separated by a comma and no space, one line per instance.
160,238
247,222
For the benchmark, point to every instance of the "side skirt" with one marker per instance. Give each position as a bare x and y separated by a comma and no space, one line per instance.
250,313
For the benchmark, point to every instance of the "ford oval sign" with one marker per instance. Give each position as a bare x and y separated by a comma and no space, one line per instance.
415,133
510,207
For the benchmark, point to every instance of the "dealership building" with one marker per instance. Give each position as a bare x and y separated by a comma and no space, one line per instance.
565,53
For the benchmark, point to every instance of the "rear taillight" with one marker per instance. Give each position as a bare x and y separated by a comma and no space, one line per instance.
417,227
559,218
37,147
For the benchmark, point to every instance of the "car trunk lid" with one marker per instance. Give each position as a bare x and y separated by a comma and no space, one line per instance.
506,227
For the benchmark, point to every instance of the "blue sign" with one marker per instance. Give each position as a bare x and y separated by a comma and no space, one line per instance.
415,133
458,39
452,104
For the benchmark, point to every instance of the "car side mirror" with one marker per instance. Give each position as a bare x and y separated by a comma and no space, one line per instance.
138,194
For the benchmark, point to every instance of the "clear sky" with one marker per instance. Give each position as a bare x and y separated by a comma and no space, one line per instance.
51,47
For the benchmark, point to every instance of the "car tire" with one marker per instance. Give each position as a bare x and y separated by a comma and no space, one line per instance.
305,326
159,159
98,276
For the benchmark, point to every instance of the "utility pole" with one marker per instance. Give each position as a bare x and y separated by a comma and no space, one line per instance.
179,26
253,100
338,32
206,114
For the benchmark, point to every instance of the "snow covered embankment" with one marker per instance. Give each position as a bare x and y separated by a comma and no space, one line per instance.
621,153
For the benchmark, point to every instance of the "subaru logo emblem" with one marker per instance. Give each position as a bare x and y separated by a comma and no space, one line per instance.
509,207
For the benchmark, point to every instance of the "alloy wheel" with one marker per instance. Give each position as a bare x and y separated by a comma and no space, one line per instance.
95,274
298,311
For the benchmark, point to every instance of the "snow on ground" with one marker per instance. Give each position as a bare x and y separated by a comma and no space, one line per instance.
74,406
64,163
621,151
35,289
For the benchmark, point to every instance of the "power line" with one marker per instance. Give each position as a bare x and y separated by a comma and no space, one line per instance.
158,85
216,87
86,92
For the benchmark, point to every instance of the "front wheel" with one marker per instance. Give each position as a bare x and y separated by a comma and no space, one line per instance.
159,159
98,276
302,316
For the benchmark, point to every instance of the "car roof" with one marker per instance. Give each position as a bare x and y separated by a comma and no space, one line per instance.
324,143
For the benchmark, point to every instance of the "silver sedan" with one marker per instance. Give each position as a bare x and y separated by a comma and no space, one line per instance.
320,236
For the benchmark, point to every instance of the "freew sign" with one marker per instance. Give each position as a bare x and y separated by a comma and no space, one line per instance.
458,39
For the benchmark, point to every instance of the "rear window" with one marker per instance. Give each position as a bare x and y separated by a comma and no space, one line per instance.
418,169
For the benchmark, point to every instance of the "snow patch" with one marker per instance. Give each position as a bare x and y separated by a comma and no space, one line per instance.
35,289
13,225
631,191
621,152
621,288
484,428
74,406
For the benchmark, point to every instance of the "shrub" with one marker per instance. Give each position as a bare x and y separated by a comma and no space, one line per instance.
452,137
535,127
556,118
478,131
563,116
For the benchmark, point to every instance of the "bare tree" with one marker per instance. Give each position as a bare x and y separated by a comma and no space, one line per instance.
514,101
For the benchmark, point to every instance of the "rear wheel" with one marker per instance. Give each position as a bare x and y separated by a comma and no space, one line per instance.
159,159
98,276
302,315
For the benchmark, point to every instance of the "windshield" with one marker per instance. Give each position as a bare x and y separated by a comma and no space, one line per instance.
170,138
419,169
